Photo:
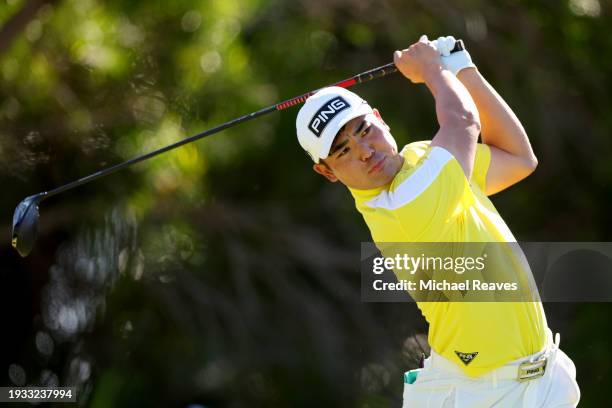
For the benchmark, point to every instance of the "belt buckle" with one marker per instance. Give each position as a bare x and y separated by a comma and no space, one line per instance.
531,369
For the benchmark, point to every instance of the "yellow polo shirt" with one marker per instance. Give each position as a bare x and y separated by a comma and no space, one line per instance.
431,200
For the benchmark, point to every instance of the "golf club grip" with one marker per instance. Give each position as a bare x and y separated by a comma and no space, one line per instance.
391,68
374,73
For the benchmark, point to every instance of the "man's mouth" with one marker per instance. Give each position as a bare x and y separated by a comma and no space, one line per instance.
378,165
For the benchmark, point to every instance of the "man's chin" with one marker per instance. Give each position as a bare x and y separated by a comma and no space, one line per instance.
371,184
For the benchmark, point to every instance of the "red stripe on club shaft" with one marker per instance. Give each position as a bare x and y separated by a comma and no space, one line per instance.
347,82
302,98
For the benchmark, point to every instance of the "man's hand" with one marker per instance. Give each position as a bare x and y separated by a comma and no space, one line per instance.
453,61
419,61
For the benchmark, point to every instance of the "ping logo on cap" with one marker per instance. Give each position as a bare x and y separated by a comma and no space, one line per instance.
326,113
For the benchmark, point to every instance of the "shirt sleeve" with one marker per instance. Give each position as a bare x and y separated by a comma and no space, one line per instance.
426,196
481,165
416,150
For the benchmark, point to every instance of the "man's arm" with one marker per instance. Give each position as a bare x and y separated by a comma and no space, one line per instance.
512,158
455,109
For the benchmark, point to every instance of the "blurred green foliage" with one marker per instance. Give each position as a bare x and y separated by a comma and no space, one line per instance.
226,272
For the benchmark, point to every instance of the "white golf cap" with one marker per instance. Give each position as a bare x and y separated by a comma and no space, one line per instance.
323,115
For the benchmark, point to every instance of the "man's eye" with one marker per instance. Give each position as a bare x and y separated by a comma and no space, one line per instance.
343,152
365,132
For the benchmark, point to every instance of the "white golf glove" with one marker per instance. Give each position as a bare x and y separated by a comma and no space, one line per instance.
455,61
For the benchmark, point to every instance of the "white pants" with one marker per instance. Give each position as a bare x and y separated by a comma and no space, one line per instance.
442,384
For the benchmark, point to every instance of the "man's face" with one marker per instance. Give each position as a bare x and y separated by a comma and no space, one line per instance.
361,157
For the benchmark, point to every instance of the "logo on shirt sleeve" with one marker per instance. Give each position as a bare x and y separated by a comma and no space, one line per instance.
467,358
325,115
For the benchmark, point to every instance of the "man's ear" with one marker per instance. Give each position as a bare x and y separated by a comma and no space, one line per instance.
325,172
377,114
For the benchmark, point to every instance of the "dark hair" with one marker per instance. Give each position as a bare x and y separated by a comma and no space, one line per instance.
337,134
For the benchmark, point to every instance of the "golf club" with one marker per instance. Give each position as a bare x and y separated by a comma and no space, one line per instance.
25,218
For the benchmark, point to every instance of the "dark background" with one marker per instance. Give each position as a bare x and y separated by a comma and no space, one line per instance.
226,273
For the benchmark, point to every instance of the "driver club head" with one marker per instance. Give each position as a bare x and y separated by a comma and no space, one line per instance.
25,224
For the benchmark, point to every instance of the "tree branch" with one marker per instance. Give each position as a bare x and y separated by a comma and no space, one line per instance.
19,21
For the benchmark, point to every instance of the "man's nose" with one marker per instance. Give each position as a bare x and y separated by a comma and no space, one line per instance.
365,150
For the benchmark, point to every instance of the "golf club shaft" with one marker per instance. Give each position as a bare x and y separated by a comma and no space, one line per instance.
366,76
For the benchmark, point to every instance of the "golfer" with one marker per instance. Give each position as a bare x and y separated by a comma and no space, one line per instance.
493,354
